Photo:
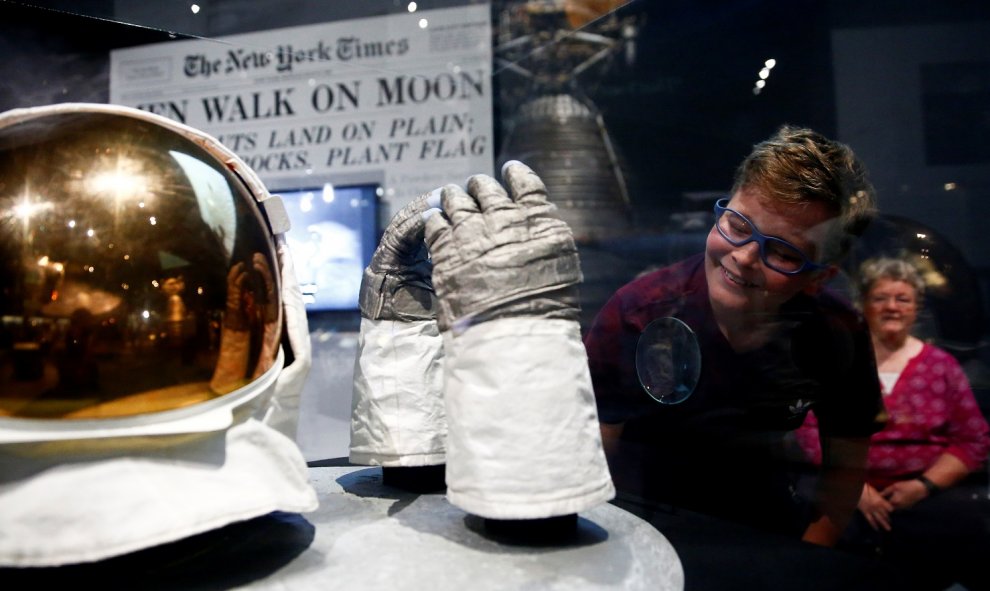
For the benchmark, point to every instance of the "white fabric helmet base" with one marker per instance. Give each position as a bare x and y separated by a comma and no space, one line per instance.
78,511
523,437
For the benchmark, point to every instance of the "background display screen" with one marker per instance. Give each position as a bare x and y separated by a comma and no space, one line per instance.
333,236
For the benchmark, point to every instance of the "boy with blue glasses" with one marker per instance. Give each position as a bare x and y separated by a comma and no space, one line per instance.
773,343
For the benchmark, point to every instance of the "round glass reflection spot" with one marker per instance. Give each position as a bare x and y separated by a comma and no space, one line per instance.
668,360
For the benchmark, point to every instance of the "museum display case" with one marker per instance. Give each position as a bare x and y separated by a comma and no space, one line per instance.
644,122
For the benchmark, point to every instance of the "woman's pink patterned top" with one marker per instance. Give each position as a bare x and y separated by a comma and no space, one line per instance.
932,411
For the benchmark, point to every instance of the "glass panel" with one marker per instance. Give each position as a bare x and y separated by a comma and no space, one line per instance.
637,115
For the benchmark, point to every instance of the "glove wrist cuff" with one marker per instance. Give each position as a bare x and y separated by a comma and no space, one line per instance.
392,296
560,303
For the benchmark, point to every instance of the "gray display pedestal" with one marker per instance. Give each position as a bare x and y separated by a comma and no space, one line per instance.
369,536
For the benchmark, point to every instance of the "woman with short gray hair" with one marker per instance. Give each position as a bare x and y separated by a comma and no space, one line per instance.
914,507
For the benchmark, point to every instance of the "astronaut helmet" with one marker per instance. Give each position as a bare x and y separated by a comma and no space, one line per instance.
141,284
153,345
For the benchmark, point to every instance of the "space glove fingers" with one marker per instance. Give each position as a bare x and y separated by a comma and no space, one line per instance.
396,284
501,254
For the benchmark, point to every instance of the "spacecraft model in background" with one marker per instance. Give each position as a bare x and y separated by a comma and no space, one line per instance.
542,51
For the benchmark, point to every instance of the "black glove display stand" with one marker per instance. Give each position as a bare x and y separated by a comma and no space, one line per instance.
417,479
549,530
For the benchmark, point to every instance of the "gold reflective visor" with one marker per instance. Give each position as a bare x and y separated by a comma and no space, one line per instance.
137,272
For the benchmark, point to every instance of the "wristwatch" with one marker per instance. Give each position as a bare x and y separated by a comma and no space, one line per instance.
929,485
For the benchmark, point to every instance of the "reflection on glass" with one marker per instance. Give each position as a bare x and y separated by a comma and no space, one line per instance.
668,360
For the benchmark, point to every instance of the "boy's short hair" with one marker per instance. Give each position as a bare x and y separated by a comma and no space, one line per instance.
798,165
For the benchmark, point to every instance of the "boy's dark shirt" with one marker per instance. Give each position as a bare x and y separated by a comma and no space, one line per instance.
724,451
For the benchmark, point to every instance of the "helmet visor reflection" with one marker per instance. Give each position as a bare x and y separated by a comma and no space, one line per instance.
137,273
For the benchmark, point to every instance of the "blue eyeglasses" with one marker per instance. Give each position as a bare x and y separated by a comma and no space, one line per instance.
776,253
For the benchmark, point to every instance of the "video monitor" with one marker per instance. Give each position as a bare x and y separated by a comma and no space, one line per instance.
333,235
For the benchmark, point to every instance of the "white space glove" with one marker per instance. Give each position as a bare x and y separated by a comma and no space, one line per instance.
79,501
397,411
523,440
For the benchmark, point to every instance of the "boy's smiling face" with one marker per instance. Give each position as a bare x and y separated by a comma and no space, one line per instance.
739,283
